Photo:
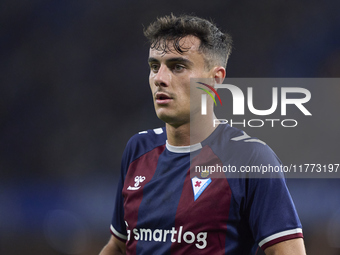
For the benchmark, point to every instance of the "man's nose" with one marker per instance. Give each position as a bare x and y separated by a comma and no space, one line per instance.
163,76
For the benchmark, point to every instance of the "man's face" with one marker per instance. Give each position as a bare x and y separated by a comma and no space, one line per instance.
169,80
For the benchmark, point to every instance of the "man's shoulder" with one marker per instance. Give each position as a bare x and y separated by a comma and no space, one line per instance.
237,145
234,137
145,141
156,136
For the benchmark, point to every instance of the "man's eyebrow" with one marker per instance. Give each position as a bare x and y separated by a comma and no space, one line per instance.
153,60
179,60
171,60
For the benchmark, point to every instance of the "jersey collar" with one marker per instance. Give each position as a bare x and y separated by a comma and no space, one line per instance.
183,149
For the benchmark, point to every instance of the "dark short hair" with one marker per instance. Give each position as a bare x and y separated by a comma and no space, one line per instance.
166,32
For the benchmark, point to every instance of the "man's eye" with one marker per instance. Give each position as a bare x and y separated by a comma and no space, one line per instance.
178,67
154,67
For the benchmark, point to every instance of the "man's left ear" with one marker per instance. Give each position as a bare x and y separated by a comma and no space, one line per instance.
219,74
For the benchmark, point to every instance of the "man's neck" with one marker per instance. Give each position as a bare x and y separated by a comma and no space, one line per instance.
192,132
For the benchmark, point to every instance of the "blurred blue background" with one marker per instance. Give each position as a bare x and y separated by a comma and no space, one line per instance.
74,89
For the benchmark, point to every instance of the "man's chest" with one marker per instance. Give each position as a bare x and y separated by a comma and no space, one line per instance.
163,203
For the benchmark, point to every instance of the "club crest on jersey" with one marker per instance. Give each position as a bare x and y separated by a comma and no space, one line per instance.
199,185
138,180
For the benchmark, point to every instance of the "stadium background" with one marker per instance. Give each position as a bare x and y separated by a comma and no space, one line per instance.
74,88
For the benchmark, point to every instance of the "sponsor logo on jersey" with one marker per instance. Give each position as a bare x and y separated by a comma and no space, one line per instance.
164,235
138,180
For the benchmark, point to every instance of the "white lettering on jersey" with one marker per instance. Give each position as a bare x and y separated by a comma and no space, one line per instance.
245,136
138,180
157,131
174,235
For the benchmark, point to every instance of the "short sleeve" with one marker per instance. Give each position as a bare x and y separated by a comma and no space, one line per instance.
118,226
272,214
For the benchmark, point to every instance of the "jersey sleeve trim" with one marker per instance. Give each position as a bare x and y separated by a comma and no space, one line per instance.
120,236
280,237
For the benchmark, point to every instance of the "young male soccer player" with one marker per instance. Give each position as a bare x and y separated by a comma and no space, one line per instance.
160,208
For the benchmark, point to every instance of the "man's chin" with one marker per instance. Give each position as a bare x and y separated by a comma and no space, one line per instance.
165,117
172,120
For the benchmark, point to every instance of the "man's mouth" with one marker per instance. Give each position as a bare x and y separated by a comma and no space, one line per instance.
162,98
